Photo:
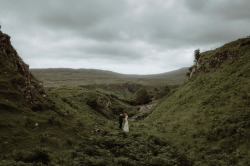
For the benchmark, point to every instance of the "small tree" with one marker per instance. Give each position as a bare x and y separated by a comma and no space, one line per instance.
164,92
191,69
142,97
92,100
197,54
166,89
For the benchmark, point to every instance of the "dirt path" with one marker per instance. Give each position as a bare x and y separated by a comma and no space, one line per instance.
143,110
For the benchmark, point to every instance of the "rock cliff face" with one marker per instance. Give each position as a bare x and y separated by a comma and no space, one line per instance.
208,62
17,73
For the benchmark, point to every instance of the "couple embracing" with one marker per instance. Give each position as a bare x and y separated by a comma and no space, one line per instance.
121,117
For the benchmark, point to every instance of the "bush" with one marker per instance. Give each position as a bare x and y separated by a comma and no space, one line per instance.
38,155
92,100
163,92
197,54
54,121
123,161
14,163
142,97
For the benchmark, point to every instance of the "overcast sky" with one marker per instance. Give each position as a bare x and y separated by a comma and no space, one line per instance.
125,36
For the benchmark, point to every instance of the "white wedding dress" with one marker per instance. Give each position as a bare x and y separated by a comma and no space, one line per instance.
126,128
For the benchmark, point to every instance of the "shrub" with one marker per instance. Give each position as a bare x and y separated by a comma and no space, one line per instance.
123,161
38,107
92,100
197,54
69,142
38,155
14,163
164,92
54,121
142,96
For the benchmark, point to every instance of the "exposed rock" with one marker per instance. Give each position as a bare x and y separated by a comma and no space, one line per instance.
131,87
36,125
40,88
26,85
214,62
96,129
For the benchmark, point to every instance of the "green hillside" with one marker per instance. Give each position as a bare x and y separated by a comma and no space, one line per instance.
84,77
122,85
209,116
18,88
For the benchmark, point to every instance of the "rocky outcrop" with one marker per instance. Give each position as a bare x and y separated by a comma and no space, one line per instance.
132,87
6,48
208,62
28,85
219,58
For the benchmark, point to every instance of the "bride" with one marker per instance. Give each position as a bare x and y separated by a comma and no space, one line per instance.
126,128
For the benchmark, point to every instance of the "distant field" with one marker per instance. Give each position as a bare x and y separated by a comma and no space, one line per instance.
83,77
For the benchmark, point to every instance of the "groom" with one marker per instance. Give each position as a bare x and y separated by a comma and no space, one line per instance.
121,117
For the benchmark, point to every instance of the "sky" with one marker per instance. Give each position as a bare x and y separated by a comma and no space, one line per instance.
125,36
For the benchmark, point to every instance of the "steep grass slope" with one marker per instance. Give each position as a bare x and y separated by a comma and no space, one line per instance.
36,125
18,88
26,111
209,116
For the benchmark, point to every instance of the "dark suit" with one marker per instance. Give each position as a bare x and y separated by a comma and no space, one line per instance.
121,117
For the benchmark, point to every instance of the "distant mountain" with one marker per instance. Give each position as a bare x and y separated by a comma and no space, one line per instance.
64,76
175,73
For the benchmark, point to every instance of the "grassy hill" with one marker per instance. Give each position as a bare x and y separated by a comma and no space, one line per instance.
122,85
209,116
83,77
18,88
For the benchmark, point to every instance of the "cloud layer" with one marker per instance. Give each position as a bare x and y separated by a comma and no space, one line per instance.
126,36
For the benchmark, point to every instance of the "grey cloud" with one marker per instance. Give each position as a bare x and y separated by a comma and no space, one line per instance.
120,52
233,10
80,14
121,31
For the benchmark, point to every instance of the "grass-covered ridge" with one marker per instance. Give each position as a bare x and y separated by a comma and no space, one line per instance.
89,77
209,116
